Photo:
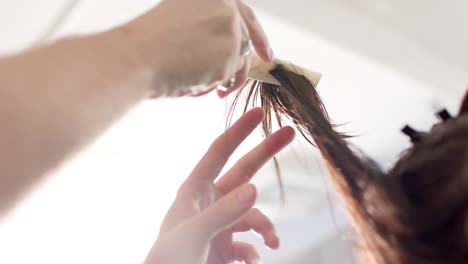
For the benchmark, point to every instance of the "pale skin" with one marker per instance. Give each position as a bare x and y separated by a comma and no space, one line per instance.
57,98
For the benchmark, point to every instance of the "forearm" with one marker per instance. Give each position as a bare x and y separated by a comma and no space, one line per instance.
56,99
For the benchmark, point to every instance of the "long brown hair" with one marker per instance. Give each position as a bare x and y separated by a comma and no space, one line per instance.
414,213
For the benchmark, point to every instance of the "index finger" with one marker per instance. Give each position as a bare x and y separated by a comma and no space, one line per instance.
248,165
256,32
222,148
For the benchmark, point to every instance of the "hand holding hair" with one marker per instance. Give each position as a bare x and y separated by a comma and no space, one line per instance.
193,46
206,214
260,70
57,98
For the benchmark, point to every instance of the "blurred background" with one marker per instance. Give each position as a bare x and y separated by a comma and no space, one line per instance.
385,63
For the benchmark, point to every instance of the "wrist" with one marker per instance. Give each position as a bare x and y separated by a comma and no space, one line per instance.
117,51
147,54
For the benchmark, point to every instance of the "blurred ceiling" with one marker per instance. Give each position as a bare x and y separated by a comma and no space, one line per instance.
424,39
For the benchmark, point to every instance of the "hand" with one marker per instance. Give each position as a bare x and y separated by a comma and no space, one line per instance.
200,224
196,43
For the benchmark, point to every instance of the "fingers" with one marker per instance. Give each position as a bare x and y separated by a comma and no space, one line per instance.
256,32
226,211
245,252
221,149
241,78
261,224
248,165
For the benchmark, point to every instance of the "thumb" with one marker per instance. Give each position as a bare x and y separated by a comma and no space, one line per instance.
226,211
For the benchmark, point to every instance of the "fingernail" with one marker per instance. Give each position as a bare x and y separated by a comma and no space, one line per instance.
246,195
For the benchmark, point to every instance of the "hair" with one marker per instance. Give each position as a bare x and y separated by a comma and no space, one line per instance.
417,212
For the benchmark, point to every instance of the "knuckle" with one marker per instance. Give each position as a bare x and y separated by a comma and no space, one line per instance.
228,16
230,24
220,74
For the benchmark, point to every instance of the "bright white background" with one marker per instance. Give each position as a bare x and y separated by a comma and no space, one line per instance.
384,63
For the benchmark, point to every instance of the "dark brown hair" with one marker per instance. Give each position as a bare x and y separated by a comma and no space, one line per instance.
417,212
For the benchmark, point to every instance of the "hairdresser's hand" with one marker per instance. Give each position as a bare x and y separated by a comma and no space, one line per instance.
260,43
191,46
199,226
